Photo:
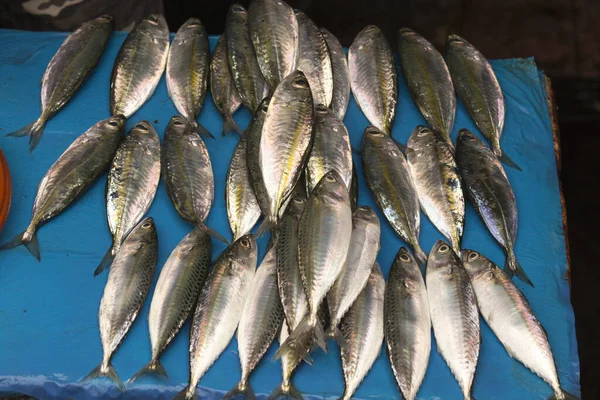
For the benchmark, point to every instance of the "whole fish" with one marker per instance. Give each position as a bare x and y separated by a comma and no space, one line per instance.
187,71
188,174
285,142
373,77
492,196
132,182
429,82
274,32
242,206
219,308
261,319
479,90
454,314
391,184
74,171
139,65
67,71
341,75
362,329
364,246
324,233
313,60
126,289
438,183
225,96
331,149
509,315
245,71
253,137
175,295
354,189
407,324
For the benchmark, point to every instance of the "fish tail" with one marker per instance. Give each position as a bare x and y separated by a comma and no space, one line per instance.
202,131
420,255
106,260
153,367
106,371
295,344
335,333
562,395
33,130
507,160
266,226
286,391
188,393
512,267
229,125
212,232
243,388
28,238
320,336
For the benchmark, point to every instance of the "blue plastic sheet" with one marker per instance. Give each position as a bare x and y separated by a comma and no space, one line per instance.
49,335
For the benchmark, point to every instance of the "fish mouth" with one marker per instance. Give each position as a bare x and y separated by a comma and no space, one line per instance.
452,38
406,31
193,22
374,131
154,19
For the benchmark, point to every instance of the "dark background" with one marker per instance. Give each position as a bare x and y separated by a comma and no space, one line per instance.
562,35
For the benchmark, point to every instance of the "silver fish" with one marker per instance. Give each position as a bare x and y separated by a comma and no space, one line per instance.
341,75
247,77
126,289
428,81
220,308
331,149
362,329
74,171
373,77
454,314
438,183
479,90
188,174
509,315
253,136
391,184
274,32
224,94
187,71
354,189
67,71
132,182
364,246
324,234
261,319
139,65
175,295
407,324
289,363
492,196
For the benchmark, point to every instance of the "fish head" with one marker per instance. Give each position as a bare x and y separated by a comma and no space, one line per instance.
113,124
244,252
238,10
178,125
332,188
297,205
365,214
376,277
442,258
458,45
144,233
405,269
144,130
192,23
156,26
477,265
374,138
106,18
263,108
408,36
297,80
420,135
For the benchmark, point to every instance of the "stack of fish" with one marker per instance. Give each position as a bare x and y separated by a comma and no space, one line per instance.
293,166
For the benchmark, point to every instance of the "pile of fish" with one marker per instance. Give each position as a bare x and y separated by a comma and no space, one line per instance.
293,167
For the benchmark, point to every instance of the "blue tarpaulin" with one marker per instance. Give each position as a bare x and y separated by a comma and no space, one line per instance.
49,335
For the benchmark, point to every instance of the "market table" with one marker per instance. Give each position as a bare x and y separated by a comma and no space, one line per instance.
49,335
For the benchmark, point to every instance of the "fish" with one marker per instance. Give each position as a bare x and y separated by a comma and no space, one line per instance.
340,96
224,94
508,313
373,77
219,308
70,176
285,142
313,60
124,295
429,82
131,186
243,210
453,310
253,137
260,322
175,295
489,190
241,58
331,149
324,236
273,30
139,65
66,72
289,363
479,90
438,183
187,71
362,254
391,184
188,174
407,323
354,189
362,329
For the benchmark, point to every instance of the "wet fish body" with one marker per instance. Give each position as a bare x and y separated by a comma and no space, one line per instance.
253,138
341,75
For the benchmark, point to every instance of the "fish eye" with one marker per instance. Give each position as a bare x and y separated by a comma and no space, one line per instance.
330,178
404,257
299,200
265,108
178,122
375,132
194,24
473,256
300,83
238,8
363,208
141,127
113,123
444,248
153,19
147,225
245,243
321,108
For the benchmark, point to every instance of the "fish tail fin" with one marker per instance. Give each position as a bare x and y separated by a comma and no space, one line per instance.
420,255
229,125
106,260
188,393
202,131
28,238
335,333
242,388
562,395
296,343
512,267
33,130
286,391
508,161
212,232
153,367
105,371
266,226
319,334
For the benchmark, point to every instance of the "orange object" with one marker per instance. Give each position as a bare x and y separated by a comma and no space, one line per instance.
5,190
